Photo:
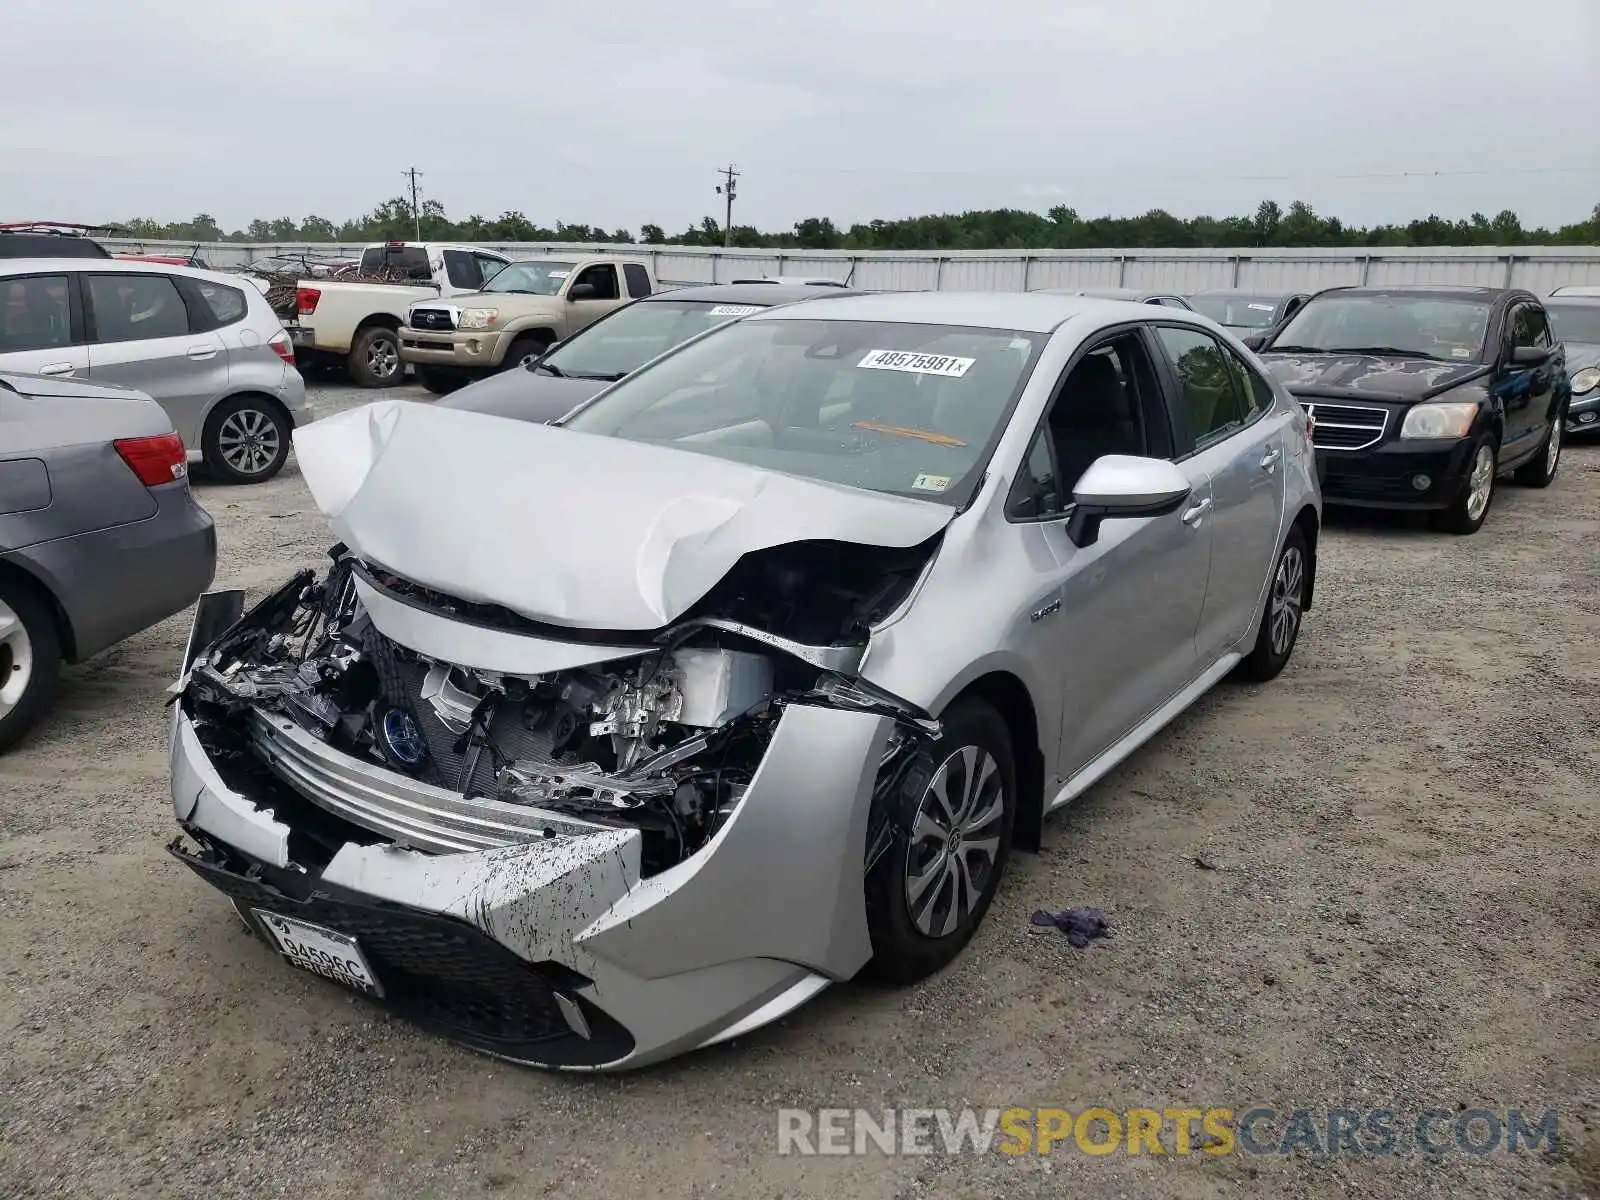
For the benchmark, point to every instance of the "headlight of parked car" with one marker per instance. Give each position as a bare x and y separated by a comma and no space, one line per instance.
1585,380
1445,420
479,318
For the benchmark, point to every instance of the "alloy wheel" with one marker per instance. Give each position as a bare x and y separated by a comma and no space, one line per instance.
1552,450
1480,484
1288,597
16,659
249,441
383,358
955,841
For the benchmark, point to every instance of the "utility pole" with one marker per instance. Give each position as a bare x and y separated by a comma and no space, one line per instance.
416,212
726,190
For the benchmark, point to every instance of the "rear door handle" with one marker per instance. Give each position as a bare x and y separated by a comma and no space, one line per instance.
1192,516
58,369
201,353
1269,460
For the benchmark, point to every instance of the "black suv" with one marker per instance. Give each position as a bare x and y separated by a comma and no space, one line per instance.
1421,396
48,245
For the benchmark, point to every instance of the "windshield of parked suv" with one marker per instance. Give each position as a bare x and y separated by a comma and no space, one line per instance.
912,410
1577,323
543,277
1252,312
621,343
1449,328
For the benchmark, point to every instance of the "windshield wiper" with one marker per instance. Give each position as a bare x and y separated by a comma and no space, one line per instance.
544,366
1297,349
1393,351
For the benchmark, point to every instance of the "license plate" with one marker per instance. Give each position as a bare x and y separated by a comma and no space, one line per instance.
326,952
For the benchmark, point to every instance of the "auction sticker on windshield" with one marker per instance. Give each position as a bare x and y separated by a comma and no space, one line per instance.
734,310
918,364
326,952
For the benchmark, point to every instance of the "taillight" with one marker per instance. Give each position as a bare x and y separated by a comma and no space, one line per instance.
306,299
282,347
155,460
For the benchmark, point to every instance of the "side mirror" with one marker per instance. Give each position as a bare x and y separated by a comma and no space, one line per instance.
1254,341
582,291
1121,485
1528,356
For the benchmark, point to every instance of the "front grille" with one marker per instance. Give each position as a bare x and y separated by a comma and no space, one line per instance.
438,971
436,320
1346,426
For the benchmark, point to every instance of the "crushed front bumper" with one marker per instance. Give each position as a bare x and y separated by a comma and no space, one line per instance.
514,929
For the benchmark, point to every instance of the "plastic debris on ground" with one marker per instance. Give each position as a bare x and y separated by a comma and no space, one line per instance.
1081,925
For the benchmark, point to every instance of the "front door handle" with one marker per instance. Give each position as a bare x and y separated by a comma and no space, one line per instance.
1192,516
58,369
1269,460
201,353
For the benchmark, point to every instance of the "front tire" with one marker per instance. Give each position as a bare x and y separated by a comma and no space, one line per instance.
374,360
1471,508
1540,470
949,838
1282,613
525,350
246,440
30,660
439,382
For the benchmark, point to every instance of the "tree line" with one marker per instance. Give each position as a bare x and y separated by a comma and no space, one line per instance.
1061,228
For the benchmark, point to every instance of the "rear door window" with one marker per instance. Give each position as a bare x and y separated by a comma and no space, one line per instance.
132,308
35,313
638,280
1212,404
226,305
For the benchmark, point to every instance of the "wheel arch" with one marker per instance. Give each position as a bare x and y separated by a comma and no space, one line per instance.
1009,696
1307,522
373,320
21,576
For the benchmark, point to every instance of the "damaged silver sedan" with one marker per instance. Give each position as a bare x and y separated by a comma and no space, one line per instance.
602,742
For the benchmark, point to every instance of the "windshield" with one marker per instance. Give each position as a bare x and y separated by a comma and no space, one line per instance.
611,348
1448,328
912,410
540,278
1238,312
1579,323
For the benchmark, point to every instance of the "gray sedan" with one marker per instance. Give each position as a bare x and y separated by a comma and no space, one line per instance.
1576,323
99,535
206,346
745,677
576,369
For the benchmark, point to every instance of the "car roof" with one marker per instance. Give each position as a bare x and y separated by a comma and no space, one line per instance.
1028,312
1112,293
1424,289
15,245
1240,293
112,266
1575,300
765,294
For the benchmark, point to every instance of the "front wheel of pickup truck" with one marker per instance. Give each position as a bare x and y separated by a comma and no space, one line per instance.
527,349
374,359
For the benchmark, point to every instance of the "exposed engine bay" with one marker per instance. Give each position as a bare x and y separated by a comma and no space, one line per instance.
665,739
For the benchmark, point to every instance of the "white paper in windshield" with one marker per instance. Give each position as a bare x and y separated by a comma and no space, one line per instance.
918,364
1260,307
557,274
734,310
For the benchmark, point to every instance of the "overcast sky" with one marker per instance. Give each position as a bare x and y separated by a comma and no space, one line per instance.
618,112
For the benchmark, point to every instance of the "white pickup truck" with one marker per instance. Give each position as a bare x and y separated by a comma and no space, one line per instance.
356,320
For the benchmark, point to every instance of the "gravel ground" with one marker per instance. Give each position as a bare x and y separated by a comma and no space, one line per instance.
1372,882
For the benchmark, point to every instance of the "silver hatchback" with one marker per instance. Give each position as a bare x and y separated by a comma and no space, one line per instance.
204,345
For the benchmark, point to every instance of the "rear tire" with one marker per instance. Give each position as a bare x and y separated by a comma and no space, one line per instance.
525,349
923,902
30,659
246,440
374,359
1540,470
1471,508
1281,614
437,381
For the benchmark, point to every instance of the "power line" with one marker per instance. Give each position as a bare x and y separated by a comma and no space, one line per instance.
726,190
416,212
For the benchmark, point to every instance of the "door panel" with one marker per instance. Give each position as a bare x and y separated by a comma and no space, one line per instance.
603,278
1130,604
40,331
1241,434
137,341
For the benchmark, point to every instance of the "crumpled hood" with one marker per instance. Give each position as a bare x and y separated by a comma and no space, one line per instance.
523,395
568,528
1369,376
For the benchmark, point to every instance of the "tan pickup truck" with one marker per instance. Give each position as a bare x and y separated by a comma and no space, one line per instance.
516,317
